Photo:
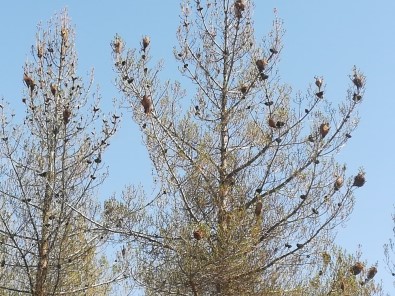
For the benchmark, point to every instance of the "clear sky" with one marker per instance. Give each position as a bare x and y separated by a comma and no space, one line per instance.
322,38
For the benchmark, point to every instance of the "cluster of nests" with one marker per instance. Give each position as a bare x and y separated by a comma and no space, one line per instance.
359,181
324,128
30,83
146,100
357,269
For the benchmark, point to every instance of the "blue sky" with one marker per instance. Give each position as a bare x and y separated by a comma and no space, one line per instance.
322,38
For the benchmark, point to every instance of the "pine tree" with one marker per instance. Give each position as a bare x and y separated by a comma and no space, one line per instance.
51,166
249,190
339,273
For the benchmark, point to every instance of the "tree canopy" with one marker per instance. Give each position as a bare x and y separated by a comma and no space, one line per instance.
248,192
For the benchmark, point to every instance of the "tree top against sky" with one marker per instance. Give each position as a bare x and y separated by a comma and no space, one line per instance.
330,36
